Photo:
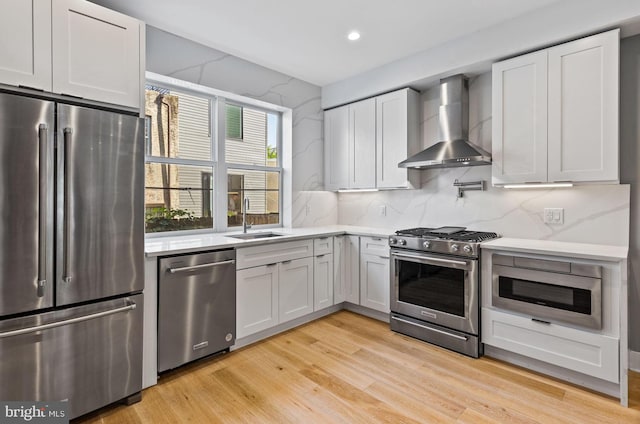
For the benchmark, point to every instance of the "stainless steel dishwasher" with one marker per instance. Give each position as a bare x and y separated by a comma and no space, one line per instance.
196,306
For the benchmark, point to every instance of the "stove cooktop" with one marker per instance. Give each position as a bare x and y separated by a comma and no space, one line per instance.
456,241
448,233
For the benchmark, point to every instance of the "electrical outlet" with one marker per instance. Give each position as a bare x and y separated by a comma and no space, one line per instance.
554,216
383,210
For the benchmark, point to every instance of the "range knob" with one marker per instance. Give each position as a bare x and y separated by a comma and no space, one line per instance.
402,242
393,241
454,248
467,248
426,244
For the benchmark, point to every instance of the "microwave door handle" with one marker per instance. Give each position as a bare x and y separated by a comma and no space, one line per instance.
42,209
430,259
66,236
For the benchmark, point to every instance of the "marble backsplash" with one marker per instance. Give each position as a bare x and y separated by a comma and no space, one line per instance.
592,213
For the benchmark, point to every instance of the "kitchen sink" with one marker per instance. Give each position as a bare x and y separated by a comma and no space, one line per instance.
252,236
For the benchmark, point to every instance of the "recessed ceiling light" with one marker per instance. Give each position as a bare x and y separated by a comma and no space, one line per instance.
353,35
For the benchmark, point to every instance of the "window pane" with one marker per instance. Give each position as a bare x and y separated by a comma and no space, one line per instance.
234,122
178,124
263,191
260,133
178,197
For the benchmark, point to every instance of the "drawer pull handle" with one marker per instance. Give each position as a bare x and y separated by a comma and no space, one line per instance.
286,262
540,321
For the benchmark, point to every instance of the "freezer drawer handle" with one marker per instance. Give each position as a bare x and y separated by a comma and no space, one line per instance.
67,192
42,207
28,330
196,267
435,330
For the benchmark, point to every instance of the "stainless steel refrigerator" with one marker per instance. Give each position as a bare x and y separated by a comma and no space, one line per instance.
71,253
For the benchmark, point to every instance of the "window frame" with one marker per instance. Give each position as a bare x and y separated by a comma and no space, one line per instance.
219,167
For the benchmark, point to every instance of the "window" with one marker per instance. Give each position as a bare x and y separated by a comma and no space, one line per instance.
254,168
183,174
234,122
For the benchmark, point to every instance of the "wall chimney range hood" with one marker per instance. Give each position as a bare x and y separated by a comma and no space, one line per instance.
455,149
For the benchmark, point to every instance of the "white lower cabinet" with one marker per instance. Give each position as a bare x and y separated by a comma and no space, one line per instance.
346,269
322,281
295,288
578,350
256,299
374,273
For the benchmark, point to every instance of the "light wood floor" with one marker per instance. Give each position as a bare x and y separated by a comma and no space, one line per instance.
346,368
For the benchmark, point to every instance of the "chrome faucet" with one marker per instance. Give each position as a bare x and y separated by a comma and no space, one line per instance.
245,226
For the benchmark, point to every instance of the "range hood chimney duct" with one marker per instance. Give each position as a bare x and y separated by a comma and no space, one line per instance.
454,149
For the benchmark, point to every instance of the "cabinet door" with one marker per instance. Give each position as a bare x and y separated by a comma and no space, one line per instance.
256,299
362,148
96,53
25,53
339,269
352,269
295,289
346,269
393,130
336,148
322,282
583,109
519,145
374,282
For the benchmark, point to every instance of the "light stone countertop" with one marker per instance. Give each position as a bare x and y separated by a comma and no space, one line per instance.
558,248
176,244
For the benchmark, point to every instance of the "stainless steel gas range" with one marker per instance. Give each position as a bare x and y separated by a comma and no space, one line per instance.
435,283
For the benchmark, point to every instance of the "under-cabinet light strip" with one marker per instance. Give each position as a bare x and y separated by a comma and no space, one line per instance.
357,190
552,185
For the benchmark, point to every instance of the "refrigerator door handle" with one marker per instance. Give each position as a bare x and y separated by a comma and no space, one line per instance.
66,237
131,306
42,209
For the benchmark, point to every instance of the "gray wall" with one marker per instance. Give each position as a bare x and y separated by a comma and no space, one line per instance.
630,170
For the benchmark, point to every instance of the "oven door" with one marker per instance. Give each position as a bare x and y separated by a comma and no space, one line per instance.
435,288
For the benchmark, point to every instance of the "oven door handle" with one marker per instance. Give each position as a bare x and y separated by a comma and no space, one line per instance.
430,259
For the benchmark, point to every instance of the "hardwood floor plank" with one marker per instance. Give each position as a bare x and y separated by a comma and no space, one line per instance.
347,368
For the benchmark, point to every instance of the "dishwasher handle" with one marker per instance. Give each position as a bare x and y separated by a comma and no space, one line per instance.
196,267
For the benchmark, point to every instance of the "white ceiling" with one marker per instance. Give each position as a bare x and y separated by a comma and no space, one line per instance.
307,39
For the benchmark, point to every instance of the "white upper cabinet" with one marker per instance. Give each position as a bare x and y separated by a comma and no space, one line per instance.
362,150
397,137
555,114
365,141
583,109
96,53
336,148
72,47
25,52
519,145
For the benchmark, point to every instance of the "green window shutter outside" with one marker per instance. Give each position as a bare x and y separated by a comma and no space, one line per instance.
234,122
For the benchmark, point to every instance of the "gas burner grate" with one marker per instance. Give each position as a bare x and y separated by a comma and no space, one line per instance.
472,236
465,236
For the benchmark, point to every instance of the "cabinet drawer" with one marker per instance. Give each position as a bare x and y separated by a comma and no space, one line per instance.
582,351
374,246
248,257
322,246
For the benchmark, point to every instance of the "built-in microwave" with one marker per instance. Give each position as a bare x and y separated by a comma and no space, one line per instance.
548,290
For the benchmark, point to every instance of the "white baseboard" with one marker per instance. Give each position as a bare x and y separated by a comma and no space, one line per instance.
634,360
